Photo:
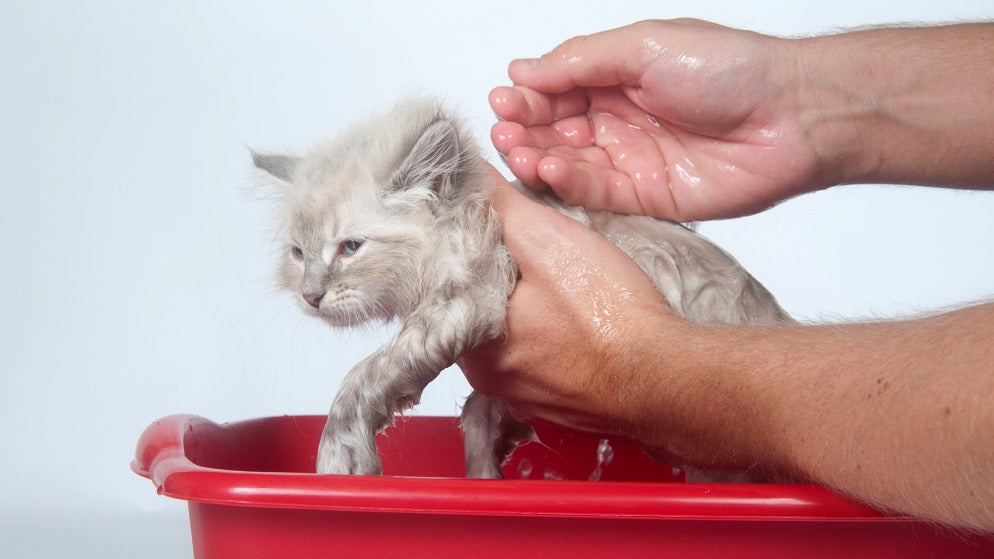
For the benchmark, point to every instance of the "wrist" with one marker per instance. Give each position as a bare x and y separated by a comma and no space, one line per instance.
836,110
717,410
898,105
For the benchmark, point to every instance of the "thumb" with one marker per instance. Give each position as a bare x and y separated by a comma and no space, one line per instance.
529,228
551,248
613,57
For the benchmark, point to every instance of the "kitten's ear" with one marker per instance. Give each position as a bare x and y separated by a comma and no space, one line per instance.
433,161
280,167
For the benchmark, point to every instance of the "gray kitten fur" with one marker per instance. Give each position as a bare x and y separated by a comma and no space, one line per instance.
392,220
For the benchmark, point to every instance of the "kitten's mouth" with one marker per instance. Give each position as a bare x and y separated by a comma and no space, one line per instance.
343,310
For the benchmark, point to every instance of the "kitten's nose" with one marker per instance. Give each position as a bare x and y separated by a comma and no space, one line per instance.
313,299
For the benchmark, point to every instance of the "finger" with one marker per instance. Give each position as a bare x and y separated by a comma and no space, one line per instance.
532,231
547,244
623,103
594,187
571,132
529,107
508,135
614,57
523,162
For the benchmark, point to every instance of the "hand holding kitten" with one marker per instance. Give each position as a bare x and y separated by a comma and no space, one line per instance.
579,306
591,345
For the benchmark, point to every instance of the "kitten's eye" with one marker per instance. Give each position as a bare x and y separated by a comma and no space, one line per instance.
349,247
297,252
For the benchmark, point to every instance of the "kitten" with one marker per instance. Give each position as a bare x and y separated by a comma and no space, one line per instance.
392,220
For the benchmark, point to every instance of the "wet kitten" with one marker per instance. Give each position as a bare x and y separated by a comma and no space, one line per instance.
392,220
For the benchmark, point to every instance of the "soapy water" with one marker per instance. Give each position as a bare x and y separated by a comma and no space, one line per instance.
605,455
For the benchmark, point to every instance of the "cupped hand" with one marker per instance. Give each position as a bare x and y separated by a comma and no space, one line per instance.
684,120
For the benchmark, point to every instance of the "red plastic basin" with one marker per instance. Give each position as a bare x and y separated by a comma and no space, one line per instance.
252,493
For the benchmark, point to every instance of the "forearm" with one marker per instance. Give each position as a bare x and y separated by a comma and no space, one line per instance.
900,105
899,415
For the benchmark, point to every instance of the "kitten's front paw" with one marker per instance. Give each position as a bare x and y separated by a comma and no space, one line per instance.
339,456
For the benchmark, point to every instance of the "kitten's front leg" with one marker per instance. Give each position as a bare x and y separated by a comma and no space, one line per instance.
348,442
393,378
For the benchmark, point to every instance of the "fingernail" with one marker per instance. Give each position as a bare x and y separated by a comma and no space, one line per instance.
525,64
499,95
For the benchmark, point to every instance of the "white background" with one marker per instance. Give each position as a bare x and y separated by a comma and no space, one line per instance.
138,260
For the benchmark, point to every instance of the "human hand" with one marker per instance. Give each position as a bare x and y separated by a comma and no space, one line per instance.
683,119
577,322
591,345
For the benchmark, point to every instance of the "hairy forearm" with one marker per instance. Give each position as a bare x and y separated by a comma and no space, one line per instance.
899,415
900,105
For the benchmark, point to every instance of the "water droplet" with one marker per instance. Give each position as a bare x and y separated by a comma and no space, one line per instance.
524,469
605,455
551,475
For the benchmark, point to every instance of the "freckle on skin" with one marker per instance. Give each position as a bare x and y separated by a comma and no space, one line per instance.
882,388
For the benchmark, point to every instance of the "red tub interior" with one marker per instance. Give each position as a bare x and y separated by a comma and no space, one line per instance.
252,493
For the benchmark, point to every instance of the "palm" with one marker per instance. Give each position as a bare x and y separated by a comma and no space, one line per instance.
620,157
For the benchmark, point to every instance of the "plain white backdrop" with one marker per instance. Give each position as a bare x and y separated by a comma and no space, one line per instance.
138,260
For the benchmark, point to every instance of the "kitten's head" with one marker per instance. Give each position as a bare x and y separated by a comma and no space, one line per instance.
360,212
